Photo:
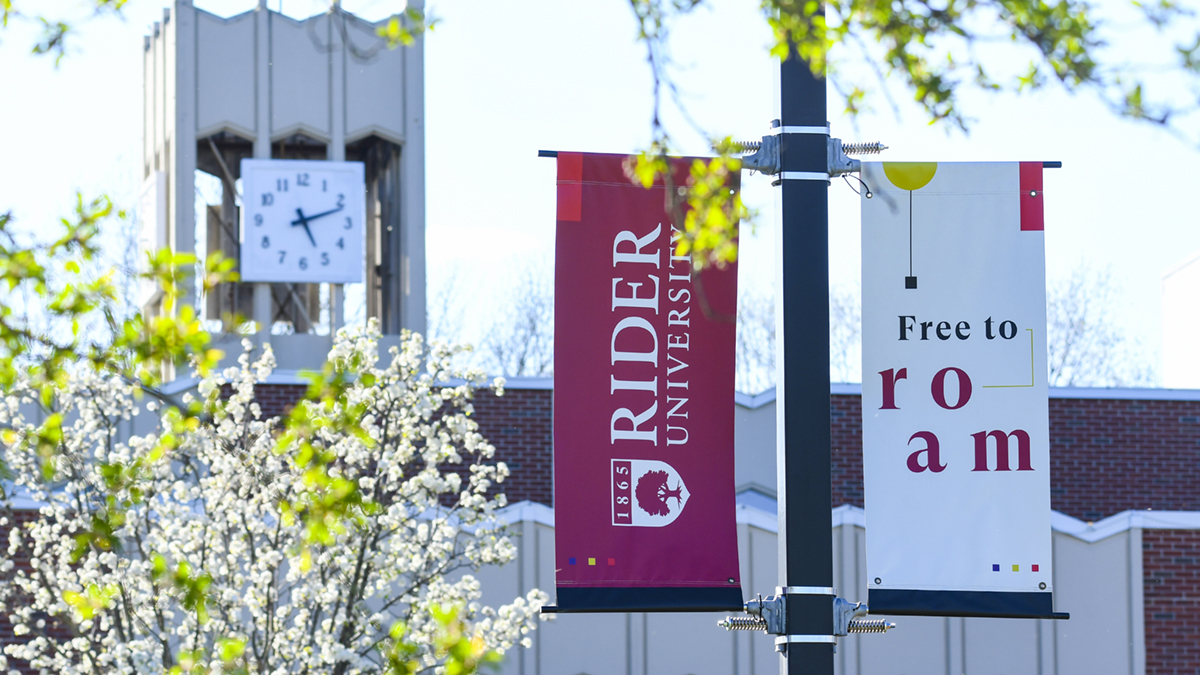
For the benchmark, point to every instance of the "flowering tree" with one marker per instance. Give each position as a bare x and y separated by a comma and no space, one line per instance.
212,545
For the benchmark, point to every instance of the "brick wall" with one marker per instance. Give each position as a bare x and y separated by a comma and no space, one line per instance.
845,426
519,425
1106,455
275,400
1171,587
1111,455
21,562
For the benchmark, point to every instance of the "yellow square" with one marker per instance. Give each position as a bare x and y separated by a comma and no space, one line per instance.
1016,568
592,561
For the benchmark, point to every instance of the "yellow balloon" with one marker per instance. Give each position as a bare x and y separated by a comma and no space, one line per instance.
910,175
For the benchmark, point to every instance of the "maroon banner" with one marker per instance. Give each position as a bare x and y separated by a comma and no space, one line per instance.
643,403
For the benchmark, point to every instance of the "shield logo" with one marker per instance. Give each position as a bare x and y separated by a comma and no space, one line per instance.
646,493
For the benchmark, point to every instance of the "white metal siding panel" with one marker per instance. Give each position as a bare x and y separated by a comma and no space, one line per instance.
225,74
917,646
764,578
149,96
754,438
1000,646
160,99
300,88
583,643
374,88
687,644
1092,583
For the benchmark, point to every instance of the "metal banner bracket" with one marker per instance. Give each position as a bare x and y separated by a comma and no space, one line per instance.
769,616
766,614
764,156
846,619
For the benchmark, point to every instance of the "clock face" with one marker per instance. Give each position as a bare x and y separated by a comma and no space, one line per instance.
302,221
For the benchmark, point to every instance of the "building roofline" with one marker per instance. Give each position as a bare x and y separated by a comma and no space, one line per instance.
518,382
1113,393
758,400
1090,532
1182,265
1128,393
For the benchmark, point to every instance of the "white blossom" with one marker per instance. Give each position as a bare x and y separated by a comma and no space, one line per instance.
213,503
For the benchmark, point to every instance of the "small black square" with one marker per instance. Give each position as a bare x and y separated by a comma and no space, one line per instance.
910,282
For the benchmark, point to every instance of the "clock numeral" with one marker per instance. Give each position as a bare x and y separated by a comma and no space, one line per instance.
301,180
282,255
349,223
268,199
266,242
324,185
304,263
281,185
341,201
324,259
258,220
341,243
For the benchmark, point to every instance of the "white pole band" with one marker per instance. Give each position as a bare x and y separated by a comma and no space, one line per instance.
805,590
823,131
808,639
804,175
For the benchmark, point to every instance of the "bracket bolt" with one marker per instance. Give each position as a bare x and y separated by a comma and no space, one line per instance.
869,626
744,623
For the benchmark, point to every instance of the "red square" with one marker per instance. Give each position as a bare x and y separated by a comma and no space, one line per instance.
612,561
1035,568
1032,207
570,186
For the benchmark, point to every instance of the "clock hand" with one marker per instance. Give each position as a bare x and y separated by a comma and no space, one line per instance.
305,219
302,220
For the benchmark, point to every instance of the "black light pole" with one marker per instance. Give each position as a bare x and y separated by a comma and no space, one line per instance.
802,415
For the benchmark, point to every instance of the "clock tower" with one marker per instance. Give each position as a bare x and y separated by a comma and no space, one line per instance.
316,131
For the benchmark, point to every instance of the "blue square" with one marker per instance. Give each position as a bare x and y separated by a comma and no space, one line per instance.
995,568
571,561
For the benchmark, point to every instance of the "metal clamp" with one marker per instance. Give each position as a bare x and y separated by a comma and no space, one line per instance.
843,613
769,615
766,614
765,157
839,162
846,619
772,611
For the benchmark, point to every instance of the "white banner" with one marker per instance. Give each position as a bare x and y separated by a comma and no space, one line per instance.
955,421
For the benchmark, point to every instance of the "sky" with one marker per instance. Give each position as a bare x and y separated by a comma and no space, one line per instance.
504,80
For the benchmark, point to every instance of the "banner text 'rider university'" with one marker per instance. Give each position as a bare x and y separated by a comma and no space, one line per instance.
956,447
644,506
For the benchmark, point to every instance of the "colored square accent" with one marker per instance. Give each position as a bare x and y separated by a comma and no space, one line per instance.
592,561
995,568
1032,211
570,561
1035,568
612,561
570,186
1016,568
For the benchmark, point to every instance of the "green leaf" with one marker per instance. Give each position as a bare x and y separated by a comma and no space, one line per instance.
92,600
